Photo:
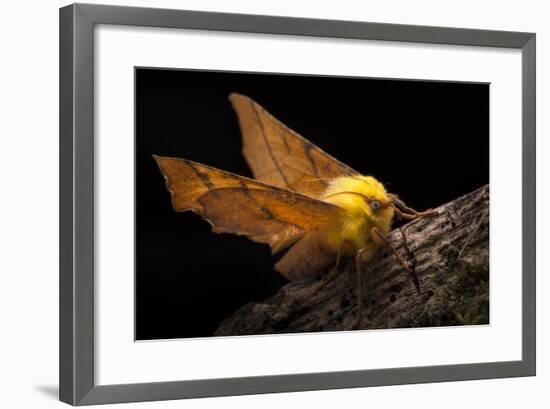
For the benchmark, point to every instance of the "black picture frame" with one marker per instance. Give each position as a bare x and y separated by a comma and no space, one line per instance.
77,384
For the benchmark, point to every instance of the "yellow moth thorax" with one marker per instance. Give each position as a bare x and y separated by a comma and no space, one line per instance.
355,196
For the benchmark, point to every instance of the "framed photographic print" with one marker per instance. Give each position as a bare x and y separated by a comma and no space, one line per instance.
254,204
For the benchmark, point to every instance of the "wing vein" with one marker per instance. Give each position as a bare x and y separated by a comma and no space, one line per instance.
268,145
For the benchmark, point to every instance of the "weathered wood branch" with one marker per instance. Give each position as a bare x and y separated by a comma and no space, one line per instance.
449,254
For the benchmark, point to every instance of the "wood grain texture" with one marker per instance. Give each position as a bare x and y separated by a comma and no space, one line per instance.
449,253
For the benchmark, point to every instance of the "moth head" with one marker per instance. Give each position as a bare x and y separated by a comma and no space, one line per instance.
379,207
362,195
375,204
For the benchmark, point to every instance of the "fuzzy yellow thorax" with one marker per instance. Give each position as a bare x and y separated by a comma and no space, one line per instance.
358,197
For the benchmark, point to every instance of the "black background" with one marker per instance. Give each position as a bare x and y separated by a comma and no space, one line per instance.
426,141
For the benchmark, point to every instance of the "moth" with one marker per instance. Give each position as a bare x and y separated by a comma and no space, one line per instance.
302,199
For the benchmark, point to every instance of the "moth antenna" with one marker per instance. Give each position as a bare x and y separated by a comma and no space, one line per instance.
318,180
347,193
364,197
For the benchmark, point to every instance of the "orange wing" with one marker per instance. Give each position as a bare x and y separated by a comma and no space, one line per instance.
235,204
281,157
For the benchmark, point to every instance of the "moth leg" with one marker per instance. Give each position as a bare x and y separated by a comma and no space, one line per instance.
331,276
380,238
408,213
359,289
404,216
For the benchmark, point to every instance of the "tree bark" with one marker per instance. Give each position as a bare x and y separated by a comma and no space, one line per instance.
448,253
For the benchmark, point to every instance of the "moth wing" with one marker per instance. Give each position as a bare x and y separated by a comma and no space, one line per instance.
309,255
238,205
281,157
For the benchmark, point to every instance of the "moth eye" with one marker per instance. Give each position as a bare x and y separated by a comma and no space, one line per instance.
375,205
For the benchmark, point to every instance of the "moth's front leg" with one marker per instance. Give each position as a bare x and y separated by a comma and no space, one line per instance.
381,239
359,289
407,213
